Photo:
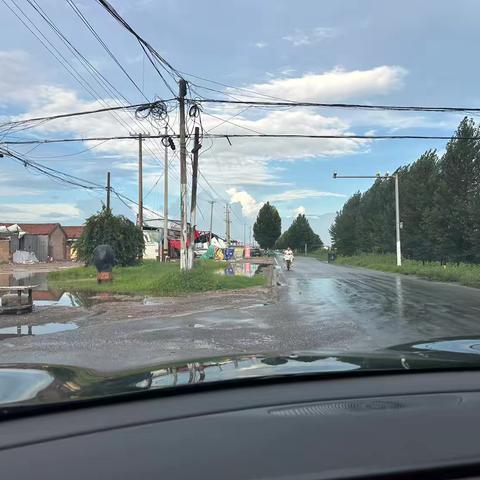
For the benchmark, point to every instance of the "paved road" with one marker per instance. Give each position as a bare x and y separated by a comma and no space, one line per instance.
320,307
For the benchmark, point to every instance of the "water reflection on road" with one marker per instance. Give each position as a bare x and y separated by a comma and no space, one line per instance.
43,329
243,269
44,295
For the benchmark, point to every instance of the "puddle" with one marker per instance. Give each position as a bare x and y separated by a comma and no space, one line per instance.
243,269
44,329
45,296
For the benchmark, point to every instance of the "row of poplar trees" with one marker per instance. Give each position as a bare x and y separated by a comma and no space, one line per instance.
439,207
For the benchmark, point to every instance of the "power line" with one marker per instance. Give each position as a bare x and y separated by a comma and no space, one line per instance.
246,135
400,108
78,114
104,45
96,75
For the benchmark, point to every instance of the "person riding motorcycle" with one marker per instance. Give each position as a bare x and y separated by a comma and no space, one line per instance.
288,257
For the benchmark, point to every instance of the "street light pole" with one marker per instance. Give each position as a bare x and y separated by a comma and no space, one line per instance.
397,222
397,206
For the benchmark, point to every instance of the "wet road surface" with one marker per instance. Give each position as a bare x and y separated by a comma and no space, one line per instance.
319,307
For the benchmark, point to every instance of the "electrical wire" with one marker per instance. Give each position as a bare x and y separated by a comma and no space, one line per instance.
400,108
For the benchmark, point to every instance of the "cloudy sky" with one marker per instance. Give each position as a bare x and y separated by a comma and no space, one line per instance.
407,53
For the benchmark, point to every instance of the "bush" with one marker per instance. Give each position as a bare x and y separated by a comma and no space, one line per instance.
119,232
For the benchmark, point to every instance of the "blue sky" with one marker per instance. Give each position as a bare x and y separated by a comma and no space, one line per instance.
406,52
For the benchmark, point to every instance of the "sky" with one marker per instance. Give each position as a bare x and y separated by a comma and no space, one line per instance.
370,52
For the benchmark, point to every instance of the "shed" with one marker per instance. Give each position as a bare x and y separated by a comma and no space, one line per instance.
43,239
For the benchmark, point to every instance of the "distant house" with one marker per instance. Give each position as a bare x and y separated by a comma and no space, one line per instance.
73,233
43,239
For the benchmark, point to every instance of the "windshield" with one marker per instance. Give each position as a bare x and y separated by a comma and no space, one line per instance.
271,187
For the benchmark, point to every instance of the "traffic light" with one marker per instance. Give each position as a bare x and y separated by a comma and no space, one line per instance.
334,174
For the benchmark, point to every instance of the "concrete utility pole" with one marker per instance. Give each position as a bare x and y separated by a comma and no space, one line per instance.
165,201
212,203
250,241
244,234
140,181
227,223
108,190
141,138
182,91
193,205
397,206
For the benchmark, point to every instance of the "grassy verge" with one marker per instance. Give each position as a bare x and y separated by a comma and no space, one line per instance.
464,274
154,278
320,254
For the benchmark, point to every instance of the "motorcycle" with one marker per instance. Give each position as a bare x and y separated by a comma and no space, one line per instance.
289,263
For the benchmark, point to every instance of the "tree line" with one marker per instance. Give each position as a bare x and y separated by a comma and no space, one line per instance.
439,207
268,227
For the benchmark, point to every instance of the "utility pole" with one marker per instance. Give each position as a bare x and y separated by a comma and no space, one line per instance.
141,138
227,223
193,205
397,206
140,181
108,191
212,203
182,91
165,200
244,234
250,241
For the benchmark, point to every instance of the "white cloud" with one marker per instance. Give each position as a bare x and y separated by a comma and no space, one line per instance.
247,161
335,85
299,38
40,212
250,206
301,193
299,211
261,44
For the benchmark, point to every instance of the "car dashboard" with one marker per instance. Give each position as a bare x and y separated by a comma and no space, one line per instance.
405,425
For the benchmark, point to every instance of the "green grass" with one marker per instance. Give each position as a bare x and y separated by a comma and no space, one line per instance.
320,254
154,278
465,274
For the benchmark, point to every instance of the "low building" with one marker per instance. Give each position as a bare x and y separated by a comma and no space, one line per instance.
73,233
45,240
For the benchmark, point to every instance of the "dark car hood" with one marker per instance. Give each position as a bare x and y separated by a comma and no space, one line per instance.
32,384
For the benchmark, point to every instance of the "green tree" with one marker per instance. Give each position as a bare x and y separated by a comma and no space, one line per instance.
454,215
119,232
418,187
268,226
344,231
298,234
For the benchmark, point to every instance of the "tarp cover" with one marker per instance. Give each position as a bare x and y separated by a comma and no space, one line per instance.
11,230
20,256
210,253
229,253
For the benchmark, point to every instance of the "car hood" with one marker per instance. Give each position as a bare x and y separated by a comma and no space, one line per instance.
35,385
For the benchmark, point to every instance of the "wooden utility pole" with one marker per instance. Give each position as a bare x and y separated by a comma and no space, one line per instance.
193,204
108,191
212,203
182,91
165,201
